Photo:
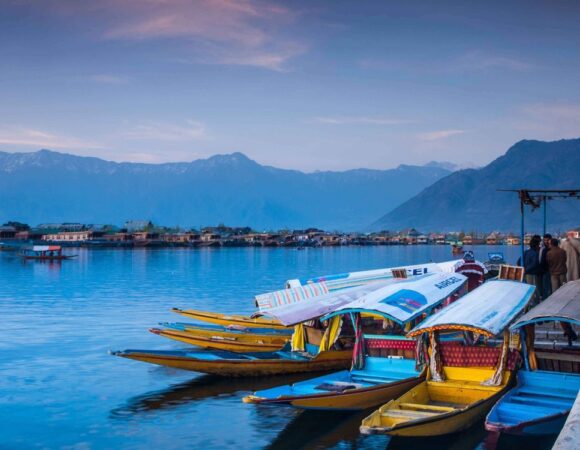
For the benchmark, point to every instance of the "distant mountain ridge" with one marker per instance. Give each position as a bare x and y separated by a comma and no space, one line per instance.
469,199
47,186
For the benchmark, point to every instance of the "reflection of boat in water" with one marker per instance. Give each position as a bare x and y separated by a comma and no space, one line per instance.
44,253
201,388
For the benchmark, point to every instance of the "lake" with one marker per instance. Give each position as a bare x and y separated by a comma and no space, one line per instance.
59,387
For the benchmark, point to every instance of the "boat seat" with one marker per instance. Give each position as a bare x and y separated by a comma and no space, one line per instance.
426,407
557,393
541,401
408,414
463,384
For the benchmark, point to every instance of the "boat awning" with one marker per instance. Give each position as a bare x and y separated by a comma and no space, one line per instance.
270,300
350,279
488,310
407,298
45,248
562,306
399,299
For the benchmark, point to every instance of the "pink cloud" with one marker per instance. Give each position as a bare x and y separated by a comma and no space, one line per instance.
238,32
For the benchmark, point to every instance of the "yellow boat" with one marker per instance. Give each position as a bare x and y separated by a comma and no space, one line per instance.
435,408
243,364
459,391
230,319
231,340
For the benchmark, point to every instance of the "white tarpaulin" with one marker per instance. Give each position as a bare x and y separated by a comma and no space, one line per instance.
398,299
350,279
489,309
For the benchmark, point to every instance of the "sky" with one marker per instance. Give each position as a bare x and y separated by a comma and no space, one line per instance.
308,85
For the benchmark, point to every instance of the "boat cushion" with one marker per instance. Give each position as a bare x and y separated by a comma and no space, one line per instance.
454,354
337,387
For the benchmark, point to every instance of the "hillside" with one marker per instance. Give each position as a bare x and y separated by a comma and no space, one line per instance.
47,186
469,199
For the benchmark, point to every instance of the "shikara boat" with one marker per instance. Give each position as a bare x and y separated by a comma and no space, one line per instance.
226,338
377,379
547,388
312,350
229,319
231,364
464,381
44,253
299,290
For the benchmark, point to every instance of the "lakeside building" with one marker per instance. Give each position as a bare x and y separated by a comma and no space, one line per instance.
146,234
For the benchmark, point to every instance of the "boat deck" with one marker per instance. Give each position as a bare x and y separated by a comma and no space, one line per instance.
539,395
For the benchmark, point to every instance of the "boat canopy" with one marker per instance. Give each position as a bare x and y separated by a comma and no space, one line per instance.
399,299
562,306
282,297
350,279
45,248
487,310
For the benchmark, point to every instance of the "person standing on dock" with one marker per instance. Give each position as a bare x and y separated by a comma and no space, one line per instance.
544,271
532,262
556,259
572,248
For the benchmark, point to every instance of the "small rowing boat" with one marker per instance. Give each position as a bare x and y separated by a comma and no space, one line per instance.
464,384
372,380
549,384
226,338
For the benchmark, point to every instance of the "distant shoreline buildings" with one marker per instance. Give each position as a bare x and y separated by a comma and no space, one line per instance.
146,234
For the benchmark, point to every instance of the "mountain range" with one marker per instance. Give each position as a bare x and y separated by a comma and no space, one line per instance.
471,199
47,186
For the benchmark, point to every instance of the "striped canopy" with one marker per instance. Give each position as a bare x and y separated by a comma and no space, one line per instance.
488,310
274,299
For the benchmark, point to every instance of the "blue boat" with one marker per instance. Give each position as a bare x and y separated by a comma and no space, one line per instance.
542,399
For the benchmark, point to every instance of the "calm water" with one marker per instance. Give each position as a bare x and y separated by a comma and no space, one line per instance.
60,388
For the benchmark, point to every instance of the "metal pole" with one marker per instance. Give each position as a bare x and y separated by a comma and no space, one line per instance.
522,231
545,208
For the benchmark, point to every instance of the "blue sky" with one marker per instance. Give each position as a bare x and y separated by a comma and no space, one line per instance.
309,85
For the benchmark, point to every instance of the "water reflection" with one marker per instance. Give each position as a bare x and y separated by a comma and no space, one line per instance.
201,388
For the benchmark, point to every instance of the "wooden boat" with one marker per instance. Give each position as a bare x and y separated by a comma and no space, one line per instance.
307,356
243,364
543,397
377,379
225,338
229,319
459,390
299,290
44,253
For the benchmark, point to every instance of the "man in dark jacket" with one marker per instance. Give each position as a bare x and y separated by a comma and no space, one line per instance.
532,262
544,272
